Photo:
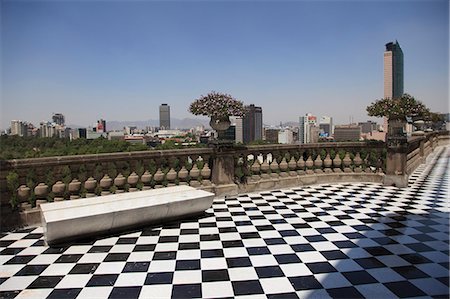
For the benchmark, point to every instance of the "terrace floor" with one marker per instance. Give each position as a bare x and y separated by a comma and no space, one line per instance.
336,240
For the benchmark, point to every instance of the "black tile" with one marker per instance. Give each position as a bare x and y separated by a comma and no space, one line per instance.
150,232
345,292
31,270
369,263
305,283
423,237
144,247
20,259
378,250
415,258
326,230
359,277
168,239
283,296
404,289
211,237
125,292
252,235
64,293
302,247
287,259
188,265
11,251
210,253
247,287
334,255
6,243
187,291
165,255
258,250
136,267
236,262
69,258
45,282
127,241
188,246
191,231
385,241
8,294
320,267
224,230
116,257
102,280
315,238
215,275
99,249
269,271
275,241
159,278
84,268
410,272
231,244
33,236
344,244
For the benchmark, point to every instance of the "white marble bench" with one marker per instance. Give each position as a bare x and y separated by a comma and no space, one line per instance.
69,220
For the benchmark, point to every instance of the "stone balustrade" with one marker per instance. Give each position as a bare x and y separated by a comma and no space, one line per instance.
222,169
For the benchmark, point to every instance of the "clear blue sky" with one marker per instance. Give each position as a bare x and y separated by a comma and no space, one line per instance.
119,60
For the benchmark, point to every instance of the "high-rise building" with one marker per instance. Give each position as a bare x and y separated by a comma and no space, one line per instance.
304,128
393,71
101,126
164,117
347,133
58,119
252,124
326,125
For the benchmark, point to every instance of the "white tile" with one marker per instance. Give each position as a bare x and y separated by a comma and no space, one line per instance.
187,277
156,291
34,293
140,256
276,285
10,270
216,289
57,269
213,263
74,281
240,274
332,280
16,283
131,279
93,257
162,266
95,292
297,269
263,260
78,249
110,268
44,259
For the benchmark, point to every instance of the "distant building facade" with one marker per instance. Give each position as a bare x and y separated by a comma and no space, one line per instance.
164,117
285,136
347,133
272,135
304,129
393,71
368,126
252,124
19,128
59,119
326,126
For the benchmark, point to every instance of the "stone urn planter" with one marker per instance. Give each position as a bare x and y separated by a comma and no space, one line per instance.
158,176
132,180
120,181
105,184
23,192
183,174
206,171
74,189
90,184
220,124
58,189
171,175
146,179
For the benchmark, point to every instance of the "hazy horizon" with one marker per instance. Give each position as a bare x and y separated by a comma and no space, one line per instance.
119,60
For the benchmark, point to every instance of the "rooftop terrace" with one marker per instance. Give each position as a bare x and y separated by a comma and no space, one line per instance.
330,240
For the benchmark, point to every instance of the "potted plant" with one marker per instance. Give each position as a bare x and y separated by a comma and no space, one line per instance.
396,110
219,107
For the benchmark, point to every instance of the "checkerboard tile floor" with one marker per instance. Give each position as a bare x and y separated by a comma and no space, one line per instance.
337,240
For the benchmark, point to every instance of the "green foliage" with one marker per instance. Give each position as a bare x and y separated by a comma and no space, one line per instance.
16,147
12,181
401,107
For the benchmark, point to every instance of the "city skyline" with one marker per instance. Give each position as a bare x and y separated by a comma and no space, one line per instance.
119,61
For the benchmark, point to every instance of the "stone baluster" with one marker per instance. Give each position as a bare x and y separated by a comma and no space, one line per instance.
292,166
357,162
284,167
327,163
58,190
159,178
74,189
132,181
337,162
171,176
24,193
105,184
206,174
256,169
194,173
119,182
347,161
183,175
265,168
309,165
318,164
301,165
146,179
274,167
41,192
90,184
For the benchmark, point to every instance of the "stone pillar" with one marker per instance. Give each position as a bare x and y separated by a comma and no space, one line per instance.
223,168
396,159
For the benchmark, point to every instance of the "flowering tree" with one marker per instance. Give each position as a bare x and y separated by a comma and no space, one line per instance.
398,108
217,105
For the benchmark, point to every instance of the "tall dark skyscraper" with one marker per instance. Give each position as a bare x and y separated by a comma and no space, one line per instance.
164,116
252,124
393,71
